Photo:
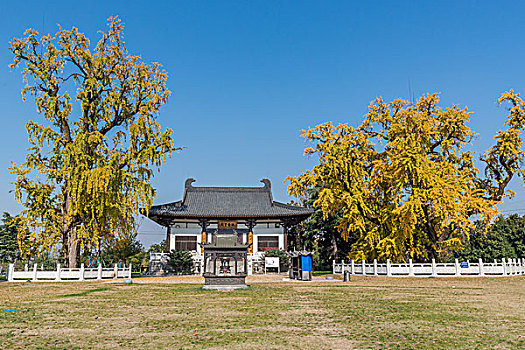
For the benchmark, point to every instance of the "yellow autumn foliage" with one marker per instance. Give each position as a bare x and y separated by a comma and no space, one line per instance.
88,169
404,179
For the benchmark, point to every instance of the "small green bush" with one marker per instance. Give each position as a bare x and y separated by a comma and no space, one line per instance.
181,261
283,256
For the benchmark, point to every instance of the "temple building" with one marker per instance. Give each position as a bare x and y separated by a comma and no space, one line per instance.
250,213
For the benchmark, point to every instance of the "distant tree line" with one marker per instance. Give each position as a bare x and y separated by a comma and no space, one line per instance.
124,251
505,238
9,251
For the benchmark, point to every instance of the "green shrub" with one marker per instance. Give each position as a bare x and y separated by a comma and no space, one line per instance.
181,261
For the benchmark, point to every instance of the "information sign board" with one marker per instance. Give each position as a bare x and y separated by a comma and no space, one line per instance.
271,261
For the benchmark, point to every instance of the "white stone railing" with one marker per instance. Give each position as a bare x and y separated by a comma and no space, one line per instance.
68,274
254,262
505,267
161,257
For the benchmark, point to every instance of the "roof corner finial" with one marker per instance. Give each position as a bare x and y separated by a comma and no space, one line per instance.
268,187
188,183
267,183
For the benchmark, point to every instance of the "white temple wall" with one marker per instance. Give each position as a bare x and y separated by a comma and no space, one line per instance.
264,231
185,232
261,229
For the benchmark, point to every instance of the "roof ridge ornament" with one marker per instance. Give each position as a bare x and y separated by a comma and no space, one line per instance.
188,183
268,187
267,183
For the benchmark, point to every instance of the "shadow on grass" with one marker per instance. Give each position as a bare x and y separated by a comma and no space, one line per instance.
84,293
200,289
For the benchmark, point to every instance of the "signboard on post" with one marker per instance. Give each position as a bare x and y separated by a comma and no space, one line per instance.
272,262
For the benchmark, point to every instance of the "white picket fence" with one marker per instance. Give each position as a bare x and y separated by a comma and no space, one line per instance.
505,267
67,274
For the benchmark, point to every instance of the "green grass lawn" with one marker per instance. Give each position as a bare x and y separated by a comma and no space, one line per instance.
376,313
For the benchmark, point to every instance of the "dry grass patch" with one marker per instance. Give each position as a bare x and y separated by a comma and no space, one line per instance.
367,313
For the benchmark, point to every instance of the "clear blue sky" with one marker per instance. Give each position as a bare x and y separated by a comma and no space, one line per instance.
247,76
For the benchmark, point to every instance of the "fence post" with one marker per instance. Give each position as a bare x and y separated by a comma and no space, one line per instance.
82,268
343,266
11,272
35,271
26,268
364,267
434,268
333,266
481,272
375,267
410,268
352,267
115,271
99,274
129,275
57,278
388,268
504,267
458,271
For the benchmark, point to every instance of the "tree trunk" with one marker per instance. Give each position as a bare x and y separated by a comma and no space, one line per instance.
73,249
65,246
70,244
334,245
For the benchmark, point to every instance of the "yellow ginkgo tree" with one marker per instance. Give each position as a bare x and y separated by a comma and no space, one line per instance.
405,181
94,142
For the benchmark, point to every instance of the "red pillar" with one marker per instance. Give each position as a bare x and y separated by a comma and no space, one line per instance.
168,238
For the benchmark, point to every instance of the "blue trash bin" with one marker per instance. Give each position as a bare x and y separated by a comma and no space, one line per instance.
301,265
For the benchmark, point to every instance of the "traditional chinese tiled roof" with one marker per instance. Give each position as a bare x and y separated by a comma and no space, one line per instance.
227,202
